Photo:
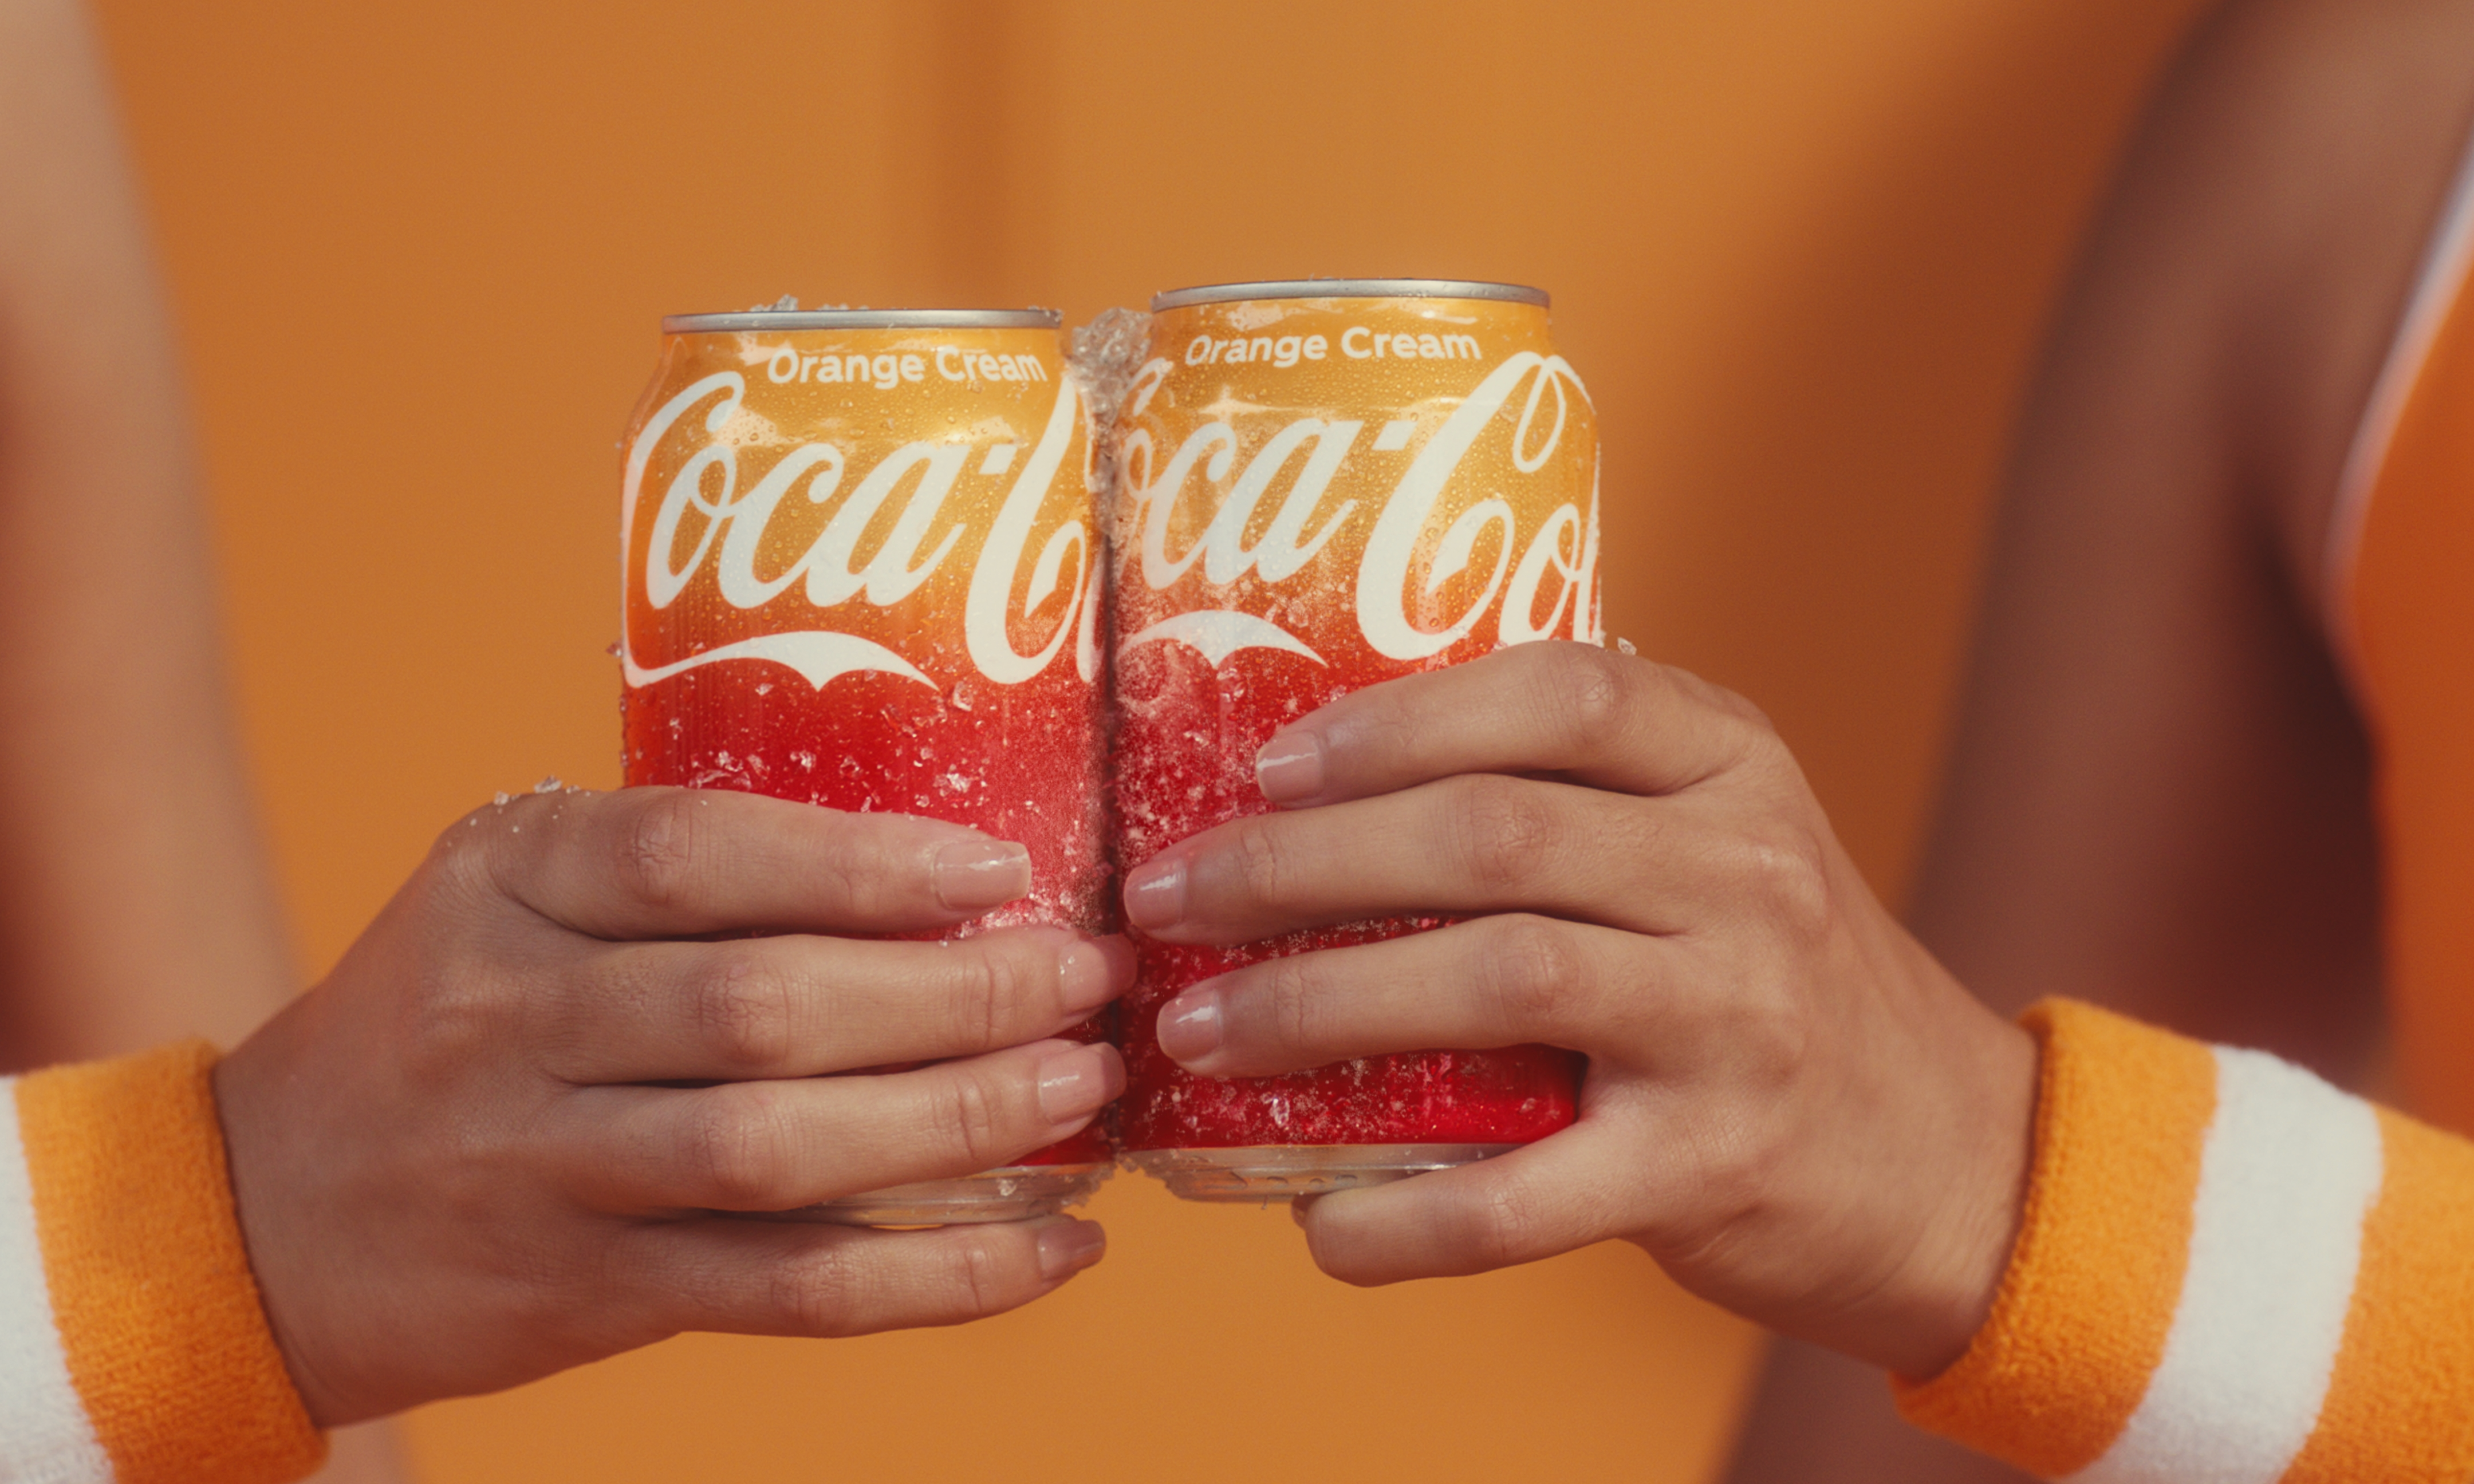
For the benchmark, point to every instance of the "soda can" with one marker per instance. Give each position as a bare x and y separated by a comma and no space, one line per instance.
861,571
1319,485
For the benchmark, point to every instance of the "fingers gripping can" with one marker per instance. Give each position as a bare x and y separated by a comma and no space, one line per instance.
1320,485
861,571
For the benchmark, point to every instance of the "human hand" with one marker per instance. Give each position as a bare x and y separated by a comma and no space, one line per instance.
491,1145
1788,1103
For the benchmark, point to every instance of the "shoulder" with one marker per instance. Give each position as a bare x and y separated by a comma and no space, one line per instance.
2294,170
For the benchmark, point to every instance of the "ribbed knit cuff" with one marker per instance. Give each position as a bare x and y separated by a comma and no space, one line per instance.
158,1314
2080,1320
2227,1269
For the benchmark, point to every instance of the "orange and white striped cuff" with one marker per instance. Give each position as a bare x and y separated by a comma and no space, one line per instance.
132,1345
2228,1271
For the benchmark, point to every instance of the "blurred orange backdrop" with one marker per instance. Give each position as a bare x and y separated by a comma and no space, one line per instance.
1799,248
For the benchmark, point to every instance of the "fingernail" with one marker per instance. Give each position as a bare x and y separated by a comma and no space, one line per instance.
973,876
1095,972
1077,1084
1290,767
1069,1247
1189,1026
1155,894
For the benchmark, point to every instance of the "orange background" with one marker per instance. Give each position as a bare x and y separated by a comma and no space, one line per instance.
1799,248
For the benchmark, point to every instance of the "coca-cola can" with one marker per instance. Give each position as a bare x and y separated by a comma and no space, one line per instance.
1319,485
861,571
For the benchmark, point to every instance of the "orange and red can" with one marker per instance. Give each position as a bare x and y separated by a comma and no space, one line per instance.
1320,485
861,561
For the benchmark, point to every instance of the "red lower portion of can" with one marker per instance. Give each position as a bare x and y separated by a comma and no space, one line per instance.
1512,1096
1187,739
1020,763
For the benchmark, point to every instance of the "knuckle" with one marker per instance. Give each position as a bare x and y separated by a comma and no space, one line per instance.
997,992
1289,987
973,1280
1771,1039
1756,746
1714,697
1786,867
1762,753
743,1012
1506,830
1741,707
866,879
456,846
819,1293
462,865
972,1113
1382,727
1588,689
1533,970
737,1144
1504,1226
451,1021
1262,864
655,858
1739,731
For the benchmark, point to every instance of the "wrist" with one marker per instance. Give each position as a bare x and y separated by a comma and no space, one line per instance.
253,1142
1964,1252
1941,1182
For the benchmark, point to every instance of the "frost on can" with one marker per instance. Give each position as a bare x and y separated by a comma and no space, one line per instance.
861,571
1322,486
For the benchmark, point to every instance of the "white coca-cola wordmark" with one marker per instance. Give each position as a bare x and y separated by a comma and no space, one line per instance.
735,525
1564,550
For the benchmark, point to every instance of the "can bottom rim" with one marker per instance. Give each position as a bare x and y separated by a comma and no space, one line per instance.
1282,1172
1017,1192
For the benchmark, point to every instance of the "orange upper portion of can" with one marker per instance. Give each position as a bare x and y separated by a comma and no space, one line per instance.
1364,482
911,502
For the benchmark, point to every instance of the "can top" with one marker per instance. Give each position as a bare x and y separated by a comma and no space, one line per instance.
863,319
1348,288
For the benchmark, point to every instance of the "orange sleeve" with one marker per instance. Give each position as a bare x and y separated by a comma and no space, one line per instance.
155,1314
2225,1269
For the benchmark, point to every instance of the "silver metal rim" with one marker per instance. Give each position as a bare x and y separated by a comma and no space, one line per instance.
1279,1172
863,319
1349,288
1014,1193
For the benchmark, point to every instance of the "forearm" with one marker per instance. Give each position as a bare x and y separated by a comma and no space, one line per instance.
135,904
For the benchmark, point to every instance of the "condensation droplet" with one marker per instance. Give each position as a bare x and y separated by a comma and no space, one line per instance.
500,798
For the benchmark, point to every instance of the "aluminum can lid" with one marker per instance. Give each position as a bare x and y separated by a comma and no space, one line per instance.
1348,288
862,319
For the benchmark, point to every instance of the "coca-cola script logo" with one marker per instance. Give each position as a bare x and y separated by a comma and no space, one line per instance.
705,502
1557,565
